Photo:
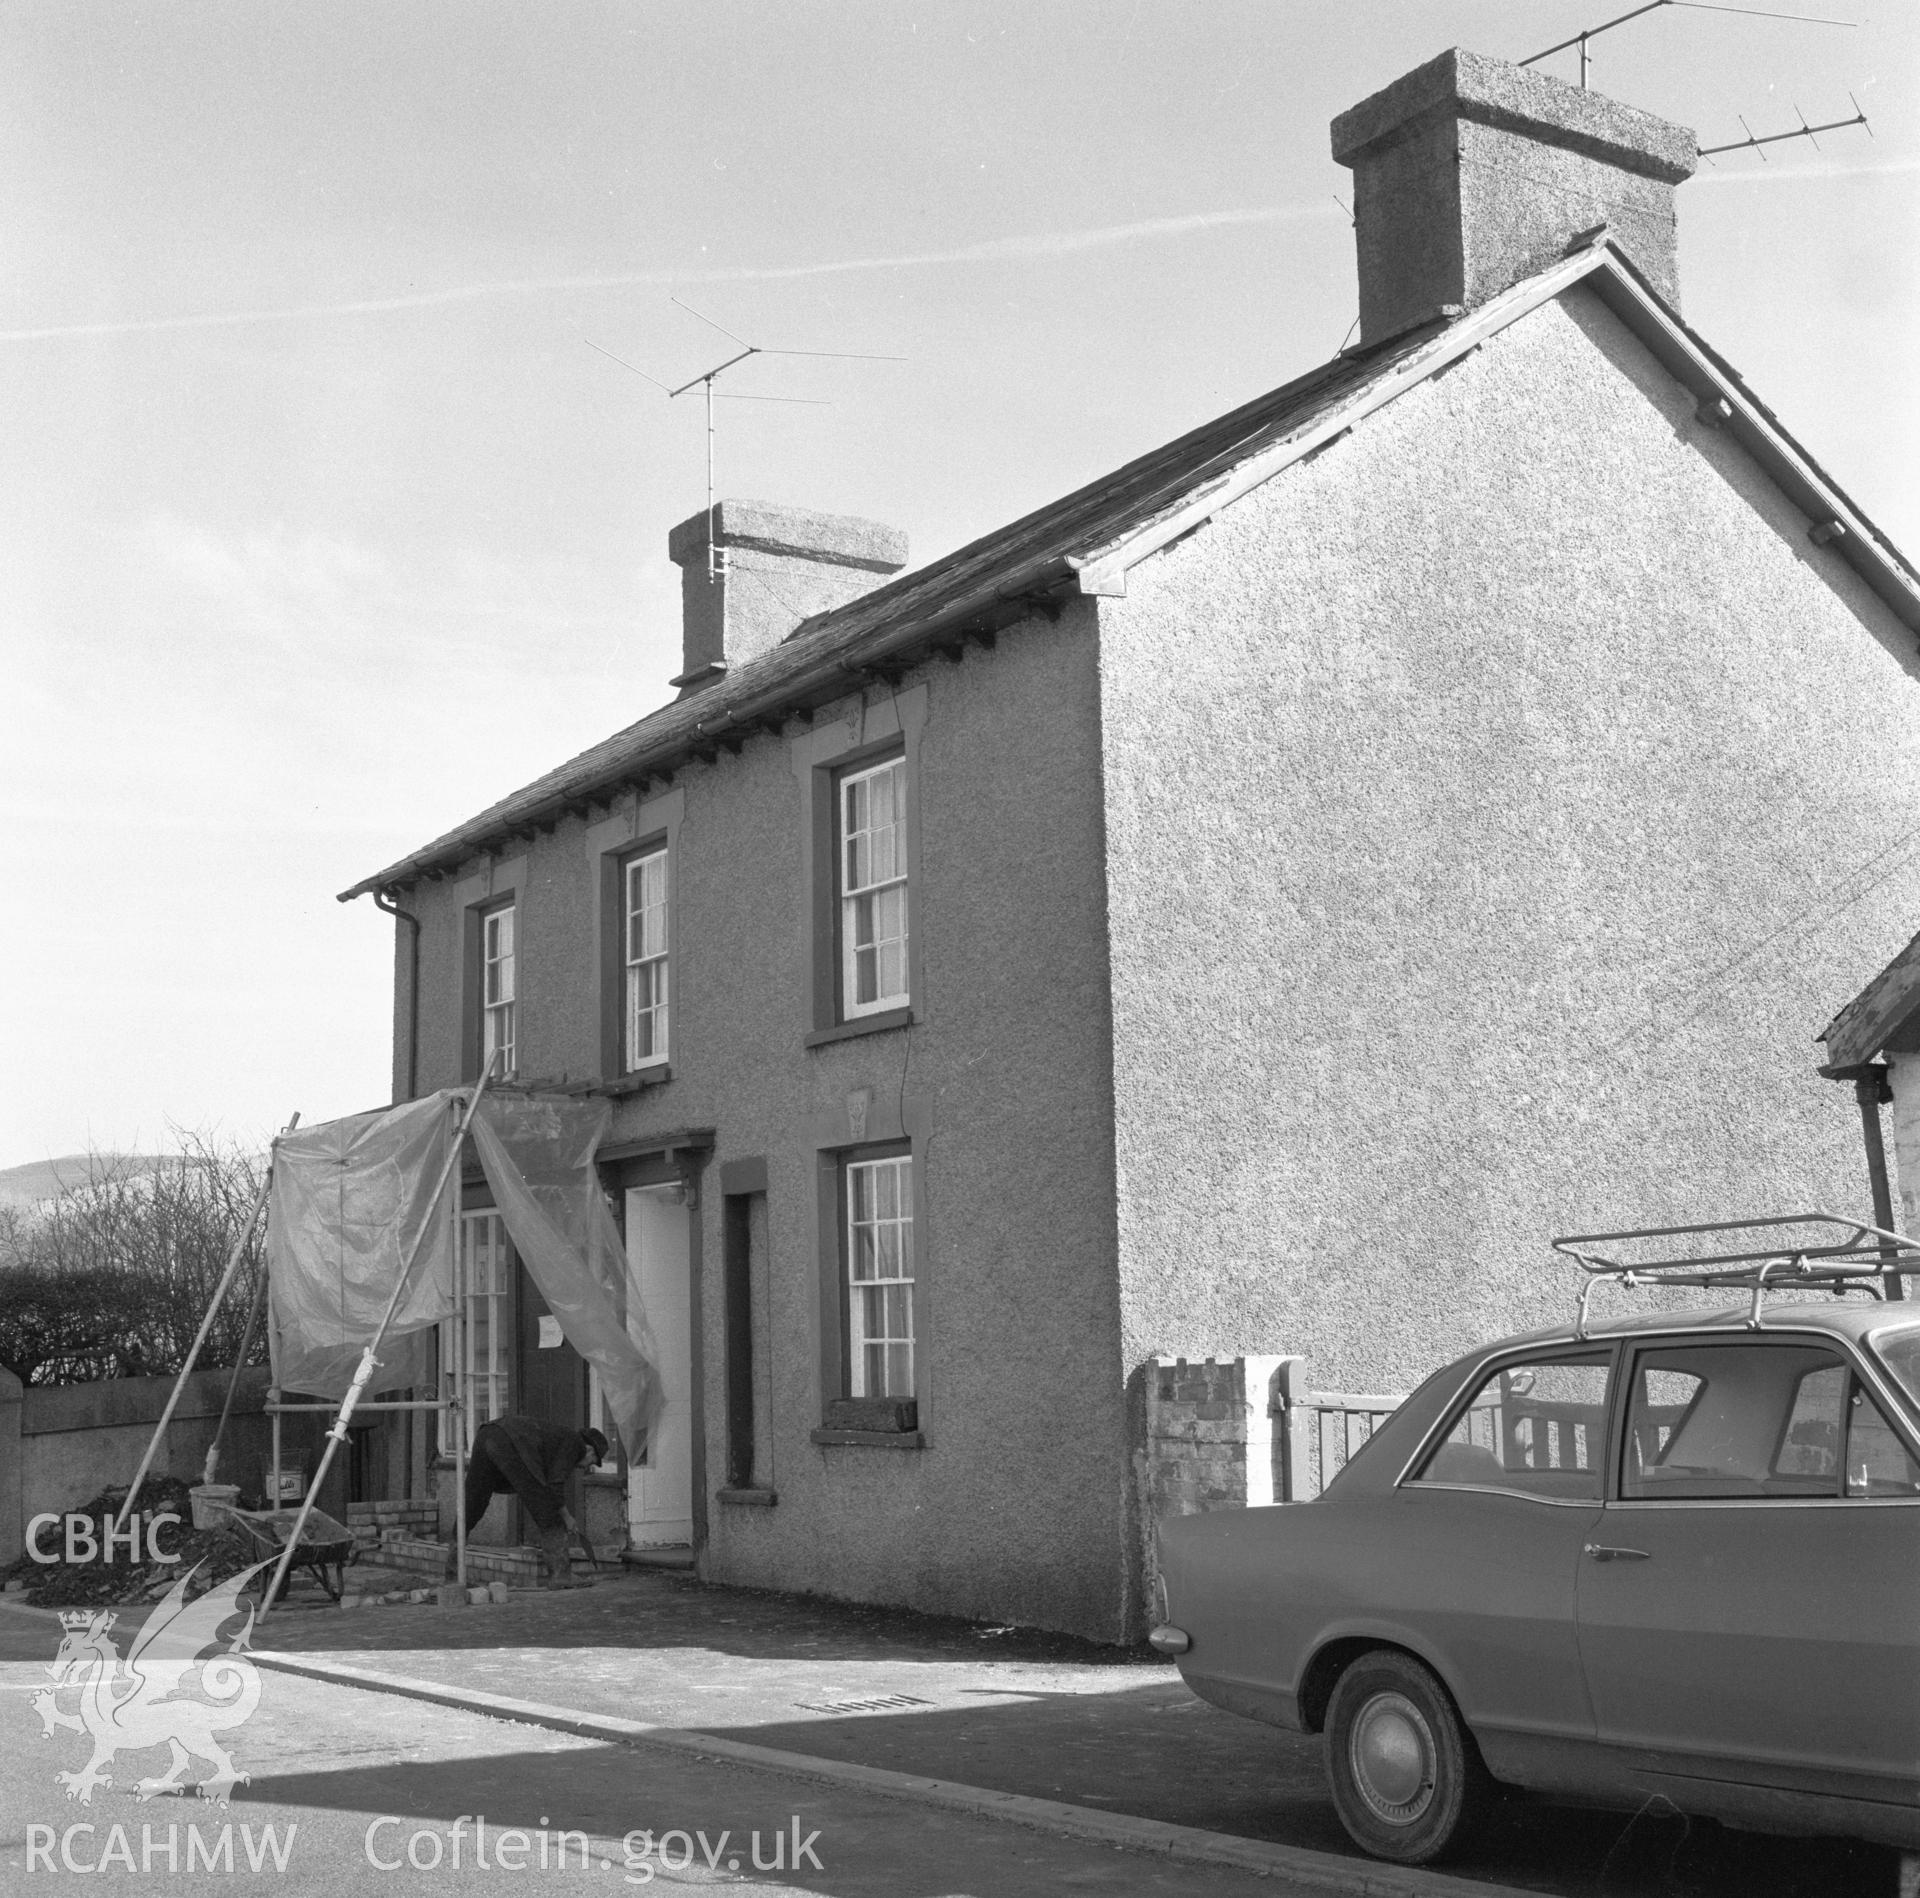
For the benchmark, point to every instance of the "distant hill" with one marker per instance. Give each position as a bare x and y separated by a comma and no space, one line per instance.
45,1179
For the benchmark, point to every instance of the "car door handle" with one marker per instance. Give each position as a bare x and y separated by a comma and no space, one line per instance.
1602,1553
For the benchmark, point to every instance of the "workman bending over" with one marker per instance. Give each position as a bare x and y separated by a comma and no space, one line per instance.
532,1460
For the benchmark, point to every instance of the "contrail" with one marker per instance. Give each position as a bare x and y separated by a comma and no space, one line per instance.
1774,174
1045,244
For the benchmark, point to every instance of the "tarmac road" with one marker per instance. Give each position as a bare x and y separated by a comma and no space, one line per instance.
351,1785
1090,1731
1104,1729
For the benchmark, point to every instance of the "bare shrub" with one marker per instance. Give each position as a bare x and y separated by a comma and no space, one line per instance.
112,1277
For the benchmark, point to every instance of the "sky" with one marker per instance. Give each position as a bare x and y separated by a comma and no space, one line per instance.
324,527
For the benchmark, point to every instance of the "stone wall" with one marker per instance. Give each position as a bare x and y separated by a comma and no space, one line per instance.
62,1444
12,1516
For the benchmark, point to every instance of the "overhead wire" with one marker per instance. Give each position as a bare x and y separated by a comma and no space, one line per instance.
1801,921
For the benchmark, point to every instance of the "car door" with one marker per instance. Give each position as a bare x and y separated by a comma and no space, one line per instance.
1487,1533
1747,1604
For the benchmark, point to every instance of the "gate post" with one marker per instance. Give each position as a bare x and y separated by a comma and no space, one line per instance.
1296,1428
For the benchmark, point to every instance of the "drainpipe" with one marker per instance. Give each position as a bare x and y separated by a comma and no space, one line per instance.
1872,1092
383,899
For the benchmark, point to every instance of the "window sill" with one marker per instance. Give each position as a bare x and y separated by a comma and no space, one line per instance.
751,1498
882,1416
861,1025
872,1439
625,1084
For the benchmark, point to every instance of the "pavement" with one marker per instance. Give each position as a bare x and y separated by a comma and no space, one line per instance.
946,1718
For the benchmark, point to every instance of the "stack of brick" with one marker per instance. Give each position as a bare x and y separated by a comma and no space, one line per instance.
405,1536
376,1524
486,1562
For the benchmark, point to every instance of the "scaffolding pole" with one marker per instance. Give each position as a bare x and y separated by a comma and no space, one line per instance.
238,1253
364,1371
457,1384
371,1403
459,1419
208,1473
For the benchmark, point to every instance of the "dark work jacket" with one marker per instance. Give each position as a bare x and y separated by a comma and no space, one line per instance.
533,1455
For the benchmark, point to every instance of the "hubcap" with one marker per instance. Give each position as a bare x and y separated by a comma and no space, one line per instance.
1392,1755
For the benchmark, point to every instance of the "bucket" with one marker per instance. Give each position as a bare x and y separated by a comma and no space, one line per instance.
213,1504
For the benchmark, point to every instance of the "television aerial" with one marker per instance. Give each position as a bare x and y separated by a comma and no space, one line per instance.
1587,33
1752,141
708,377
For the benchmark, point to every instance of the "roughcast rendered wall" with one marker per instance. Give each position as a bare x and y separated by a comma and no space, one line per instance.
1018,1506
1489,801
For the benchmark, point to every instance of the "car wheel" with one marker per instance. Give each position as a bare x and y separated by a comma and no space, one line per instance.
1407,1778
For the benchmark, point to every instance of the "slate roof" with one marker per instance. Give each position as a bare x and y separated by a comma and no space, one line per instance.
1016,567
1029,565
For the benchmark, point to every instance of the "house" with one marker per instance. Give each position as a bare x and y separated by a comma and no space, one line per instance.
1245,906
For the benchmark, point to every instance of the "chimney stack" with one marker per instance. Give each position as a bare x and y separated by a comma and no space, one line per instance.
1470,174
771,568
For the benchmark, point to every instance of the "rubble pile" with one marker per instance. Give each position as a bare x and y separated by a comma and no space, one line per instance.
213,1555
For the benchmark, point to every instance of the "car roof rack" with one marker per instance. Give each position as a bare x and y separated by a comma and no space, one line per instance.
1850,1255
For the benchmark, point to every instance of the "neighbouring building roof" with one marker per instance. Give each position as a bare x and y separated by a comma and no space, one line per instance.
1874,1016
1085,543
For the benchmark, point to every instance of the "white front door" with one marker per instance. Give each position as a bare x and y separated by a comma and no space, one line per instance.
660,1485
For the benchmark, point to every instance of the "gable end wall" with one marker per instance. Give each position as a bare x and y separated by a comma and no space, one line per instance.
1496,808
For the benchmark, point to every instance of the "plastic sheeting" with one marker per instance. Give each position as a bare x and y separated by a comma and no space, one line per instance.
350,1196
349,1199
537,1153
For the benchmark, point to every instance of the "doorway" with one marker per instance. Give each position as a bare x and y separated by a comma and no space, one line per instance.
660,1480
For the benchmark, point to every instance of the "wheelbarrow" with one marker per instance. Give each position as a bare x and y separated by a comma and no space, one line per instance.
325,1546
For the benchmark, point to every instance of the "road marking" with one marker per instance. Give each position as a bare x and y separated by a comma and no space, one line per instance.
884,1704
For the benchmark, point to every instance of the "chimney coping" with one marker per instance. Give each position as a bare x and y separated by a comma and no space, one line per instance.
840,540
1510,98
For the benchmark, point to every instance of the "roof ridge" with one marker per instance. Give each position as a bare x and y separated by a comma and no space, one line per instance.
1163,472
1129,513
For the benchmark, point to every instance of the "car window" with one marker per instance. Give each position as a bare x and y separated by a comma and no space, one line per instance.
1666,1394
1877,1462
1718,1420
1899,1351
1537,1428
1811,1446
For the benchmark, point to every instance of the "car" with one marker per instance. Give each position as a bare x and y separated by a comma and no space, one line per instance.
1676,1554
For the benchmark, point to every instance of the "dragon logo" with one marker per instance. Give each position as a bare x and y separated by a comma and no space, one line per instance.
136,1703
